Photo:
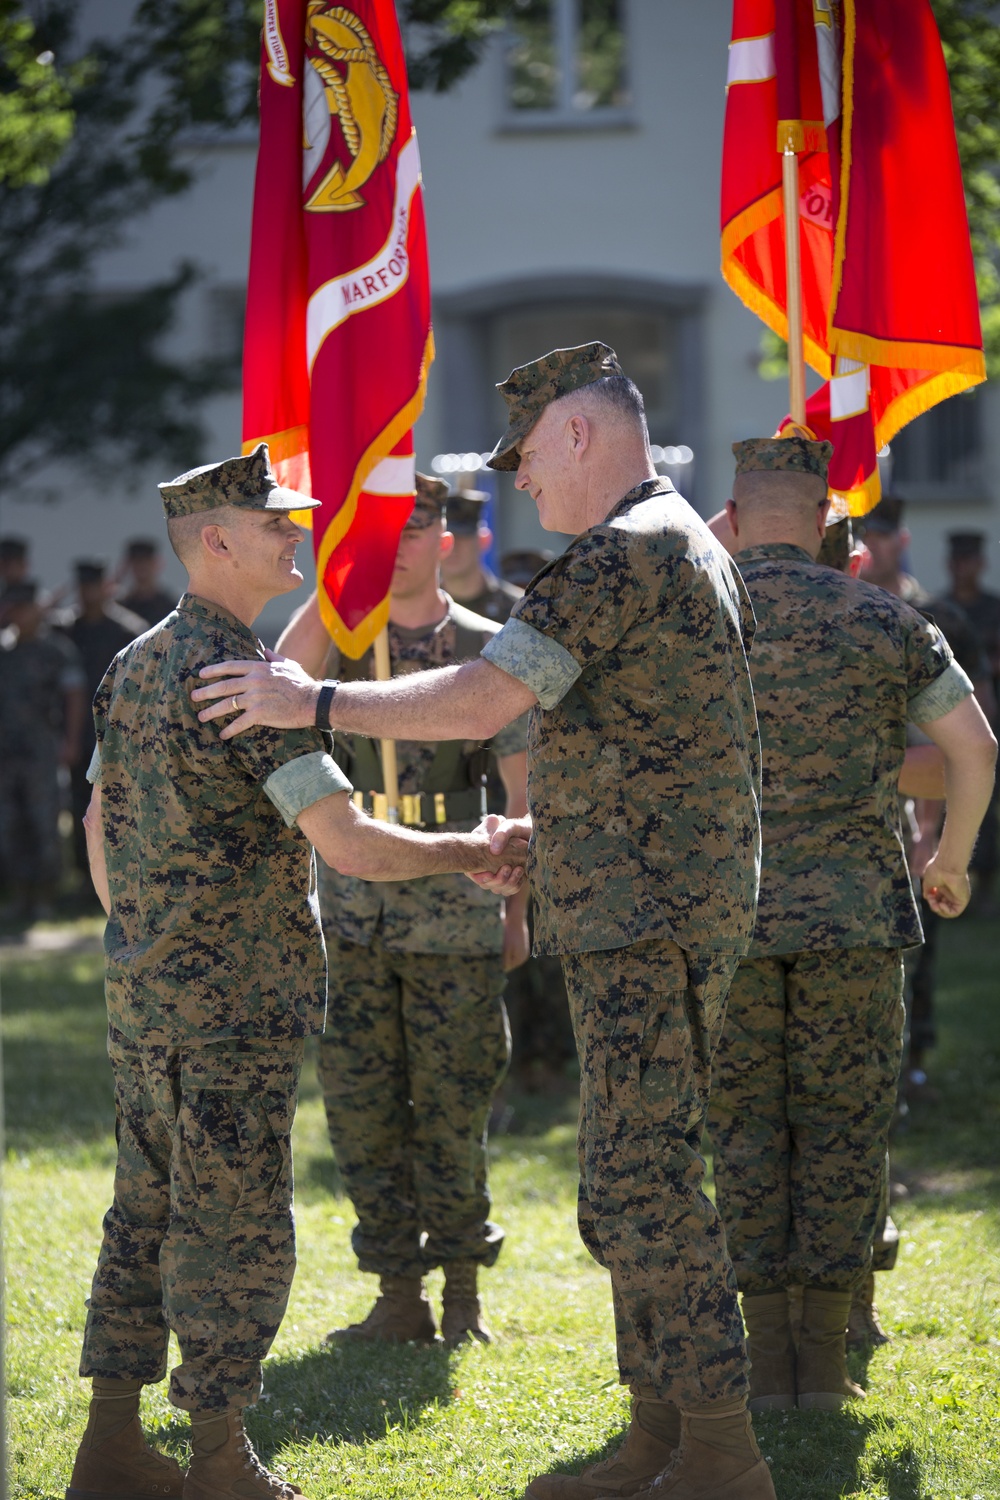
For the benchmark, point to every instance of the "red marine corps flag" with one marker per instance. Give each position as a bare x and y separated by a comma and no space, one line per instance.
338,335
858,91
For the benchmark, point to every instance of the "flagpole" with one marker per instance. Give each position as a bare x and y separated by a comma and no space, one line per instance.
793,268
390,773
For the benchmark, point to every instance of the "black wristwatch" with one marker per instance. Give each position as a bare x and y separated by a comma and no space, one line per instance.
323,702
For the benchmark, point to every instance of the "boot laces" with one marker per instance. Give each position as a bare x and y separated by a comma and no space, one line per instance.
253,1466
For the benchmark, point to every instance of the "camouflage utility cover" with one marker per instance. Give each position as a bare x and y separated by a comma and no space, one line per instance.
530,388
435,913
214,929
247,482
838,668
783,455
643,758
429,503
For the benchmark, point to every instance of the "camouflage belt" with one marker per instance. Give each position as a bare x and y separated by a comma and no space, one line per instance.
424,807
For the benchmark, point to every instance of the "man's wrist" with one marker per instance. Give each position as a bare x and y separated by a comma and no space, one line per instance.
324,699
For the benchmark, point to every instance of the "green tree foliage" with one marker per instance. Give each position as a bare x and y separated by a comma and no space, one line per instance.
970,35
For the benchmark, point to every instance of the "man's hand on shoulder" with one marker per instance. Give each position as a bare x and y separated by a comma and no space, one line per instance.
276,692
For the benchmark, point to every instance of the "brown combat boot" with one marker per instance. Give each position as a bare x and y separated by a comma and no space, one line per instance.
636,1463
822,1378
224,1465
770,1351
461,1309
864,1327
114,1461
717,1459
401,1315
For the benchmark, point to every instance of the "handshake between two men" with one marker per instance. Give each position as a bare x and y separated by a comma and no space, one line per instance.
280,694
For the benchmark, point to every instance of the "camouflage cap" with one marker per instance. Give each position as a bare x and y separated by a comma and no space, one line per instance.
428,507
529,389
13,548
835,548
966,543
90,569
884,518
466,511
247,482
789,455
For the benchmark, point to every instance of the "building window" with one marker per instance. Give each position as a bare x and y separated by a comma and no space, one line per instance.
940,455
566,63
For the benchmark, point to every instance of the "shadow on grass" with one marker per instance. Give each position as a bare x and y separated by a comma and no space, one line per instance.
354,1394
818,1456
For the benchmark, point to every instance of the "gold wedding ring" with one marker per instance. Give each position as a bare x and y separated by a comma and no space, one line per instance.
236,703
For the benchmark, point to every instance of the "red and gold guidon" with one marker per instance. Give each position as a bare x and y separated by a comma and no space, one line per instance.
338,330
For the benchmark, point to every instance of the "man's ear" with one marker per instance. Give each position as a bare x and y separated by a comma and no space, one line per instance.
214,541
822,515
447,544
578,435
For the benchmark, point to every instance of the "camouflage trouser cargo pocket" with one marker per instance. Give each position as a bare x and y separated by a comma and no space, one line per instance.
200,1237
647,1020
647,1043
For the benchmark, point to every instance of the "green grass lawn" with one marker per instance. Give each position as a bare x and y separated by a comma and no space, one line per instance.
413,1422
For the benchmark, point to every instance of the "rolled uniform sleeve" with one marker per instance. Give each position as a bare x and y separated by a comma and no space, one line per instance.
299,783
575,611
944,693
541,664
935,683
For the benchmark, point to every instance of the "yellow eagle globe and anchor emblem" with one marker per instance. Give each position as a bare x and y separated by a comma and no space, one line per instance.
361,97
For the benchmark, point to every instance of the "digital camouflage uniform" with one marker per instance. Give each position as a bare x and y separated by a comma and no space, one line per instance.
803,1089
417,1040
215,974
35,676
643,779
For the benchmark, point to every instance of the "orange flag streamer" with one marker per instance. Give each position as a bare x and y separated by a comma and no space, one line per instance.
338,333
890,313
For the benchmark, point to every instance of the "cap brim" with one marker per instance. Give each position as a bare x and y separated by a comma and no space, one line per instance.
505,456
282,499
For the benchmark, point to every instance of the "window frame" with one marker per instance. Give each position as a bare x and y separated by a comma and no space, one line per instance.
563,116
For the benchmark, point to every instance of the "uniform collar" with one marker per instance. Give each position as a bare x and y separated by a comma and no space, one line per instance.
644,491
772,552
204,609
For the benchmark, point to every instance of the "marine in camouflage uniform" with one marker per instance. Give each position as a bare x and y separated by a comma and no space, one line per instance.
98,627
491,597
417,1039
804,1083
42,707
215,975
642,783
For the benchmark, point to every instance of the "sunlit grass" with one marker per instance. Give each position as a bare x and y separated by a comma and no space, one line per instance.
410,1422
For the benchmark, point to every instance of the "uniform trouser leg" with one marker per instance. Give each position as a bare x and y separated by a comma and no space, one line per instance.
647,1021
200,1237
748,1125
813,1160
414,1049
